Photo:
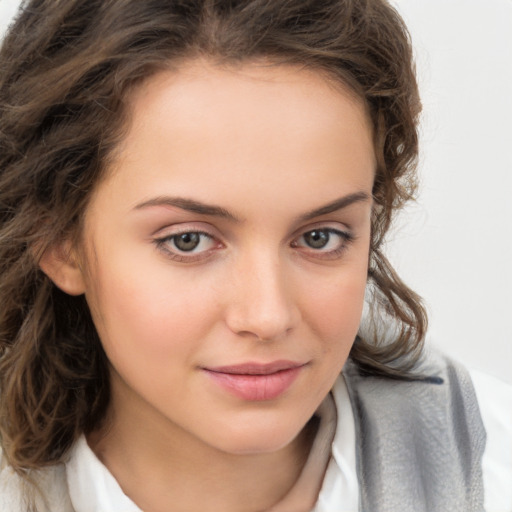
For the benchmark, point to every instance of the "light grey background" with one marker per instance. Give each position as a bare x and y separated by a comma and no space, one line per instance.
454,246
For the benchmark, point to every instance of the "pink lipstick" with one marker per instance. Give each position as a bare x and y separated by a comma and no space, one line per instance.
254,381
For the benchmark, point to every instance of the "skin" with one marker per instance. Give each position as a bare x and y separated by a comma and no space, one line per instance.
269,145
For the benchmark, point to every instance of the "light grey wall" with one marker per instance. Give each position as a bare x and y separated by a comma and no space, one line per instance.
7,10
455,245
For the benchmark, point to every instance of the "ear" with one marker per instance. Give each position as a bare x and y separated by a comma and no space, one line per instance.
60,263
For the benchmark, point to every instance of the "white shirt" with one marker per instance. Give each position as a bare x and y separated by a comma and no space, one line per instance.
93,489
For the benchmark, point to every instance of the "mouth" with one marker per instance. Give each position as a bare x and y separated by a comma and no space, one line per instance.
255,381
256,368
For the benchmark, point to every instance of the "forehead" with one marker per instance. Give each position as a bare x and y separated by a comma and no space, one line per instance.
202,85
260,126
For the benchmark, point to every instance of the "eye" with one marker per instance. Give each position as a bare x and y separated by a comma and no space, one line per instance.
187,242
187,246
324,242
317,239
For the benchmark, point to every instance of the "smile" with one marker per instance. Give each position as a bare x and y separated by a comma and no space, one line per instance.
256,382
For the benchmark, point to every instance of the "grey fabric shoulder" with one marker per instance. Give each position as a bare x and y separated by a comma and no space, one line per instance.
419,443
47,491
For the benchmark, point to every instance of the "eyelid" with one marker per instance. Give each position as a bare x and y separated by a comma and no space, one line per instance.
178,228
333,226
346,235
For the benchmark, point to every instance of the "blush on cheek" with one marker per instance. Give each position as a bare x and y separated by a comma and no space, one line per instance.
338,308
151,317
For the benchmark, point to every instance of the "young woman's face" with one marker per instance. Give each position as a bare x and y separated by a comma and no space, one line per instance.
227,251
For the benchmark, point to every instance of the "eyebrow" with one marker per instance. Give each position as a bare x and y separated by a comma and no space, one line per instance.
337,204
201,208
189,205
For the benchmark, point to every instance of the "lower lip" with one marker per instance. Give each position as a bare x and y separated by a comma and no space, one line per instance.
256,387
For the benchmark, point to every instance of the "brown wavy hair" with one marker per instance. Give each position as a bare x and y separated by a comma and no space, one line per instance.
66,70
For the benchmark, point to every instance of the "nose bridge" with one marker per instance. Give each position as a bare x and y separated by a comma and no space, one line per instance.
263,303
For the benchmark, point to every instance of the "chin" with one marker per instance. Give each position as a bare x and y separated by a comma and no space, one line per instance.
259,438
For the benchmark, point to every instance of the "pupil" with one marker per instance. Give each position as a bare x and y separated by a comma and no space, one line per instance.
317,239
187,241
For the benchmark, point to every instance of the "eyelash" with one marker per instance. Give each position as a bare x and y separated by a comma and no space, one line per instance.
164,242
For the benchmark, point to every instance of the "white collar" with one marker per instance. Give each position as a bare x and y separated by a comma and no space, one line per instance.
92,487
340,489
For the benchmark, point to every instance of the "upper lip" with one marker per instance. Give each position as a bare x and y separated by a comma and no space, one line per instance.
252,368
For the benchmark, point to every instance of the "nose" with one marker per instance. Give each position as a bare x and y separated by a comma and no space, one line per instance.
263,303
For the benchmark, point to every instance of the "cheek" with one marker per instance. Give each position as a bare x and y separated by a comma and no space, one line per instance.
335,307
147,311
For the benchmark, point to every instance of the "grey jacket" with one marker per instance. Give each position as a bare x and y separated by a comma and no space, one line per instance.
419,444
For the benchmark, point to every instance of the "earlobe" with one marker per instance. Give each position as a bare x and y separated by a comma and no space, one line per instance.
61,265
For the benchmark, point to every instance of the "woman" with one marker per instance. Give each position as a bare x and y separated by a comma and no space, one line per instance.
194,197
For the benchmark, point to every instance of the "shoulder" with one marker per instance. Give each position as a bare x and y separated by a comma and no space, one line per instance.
495,402
419,440
439,406
12,488
46,491
442,387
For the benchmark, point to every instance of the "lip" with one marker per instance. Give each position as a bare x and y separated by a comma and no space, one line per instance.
255,381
